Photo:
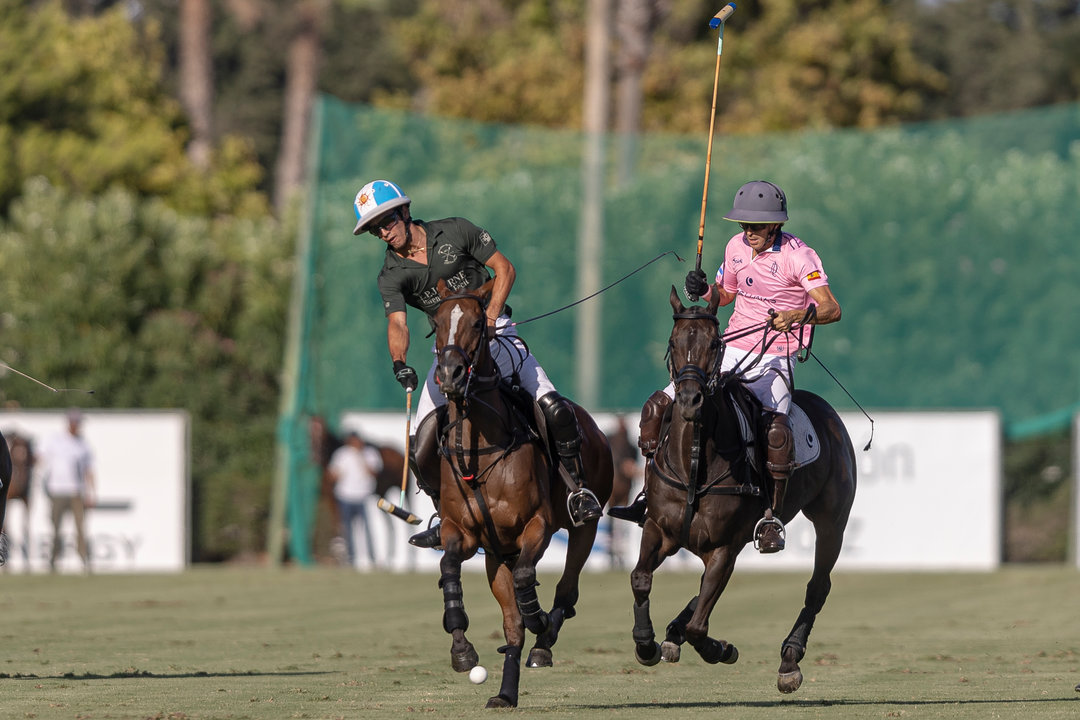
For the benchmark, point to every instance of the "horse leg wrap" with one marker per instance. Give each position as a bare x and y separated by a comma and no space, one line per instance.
799,650
454,617
511,678
676,629
652,418
534,617
643,628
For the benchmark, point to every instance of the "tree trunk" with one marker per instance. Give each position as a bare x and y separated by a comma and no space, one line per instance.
591,244
633,28
301,75
196,78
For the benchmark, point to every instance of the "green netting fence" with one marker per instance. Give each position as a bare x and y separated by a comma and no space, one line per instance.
952,247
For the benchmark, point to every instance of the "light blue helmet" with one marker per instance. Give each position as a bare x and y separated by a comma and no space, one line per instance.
374,199
759,201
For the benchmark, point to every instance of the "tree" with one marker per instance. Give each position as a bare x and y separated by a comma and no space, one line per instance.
999,55
81,103
151,309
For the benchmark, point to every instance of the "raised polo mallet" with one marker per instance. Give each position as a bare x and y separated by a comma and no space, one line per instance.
717,21
397,510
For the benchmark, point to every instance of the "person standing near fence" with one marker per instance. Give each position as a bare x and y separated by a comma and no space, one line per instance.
352,469
69,485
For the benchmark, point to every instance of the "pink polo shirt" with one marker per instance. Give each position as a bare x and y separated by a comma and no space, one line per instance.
779,278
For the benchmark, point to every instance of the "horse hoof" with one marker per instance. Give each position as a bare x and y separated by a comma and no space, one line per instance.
500,701
539,657
789,682
465,660
731,656
669,652
652,655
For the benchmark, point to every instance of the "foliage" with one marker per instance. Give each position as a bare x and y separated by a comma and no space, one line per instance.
998,54
81,104
155,310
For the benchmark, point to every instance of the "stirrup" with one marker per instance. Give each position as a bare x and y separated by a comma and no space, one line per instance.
430,538
634,512
759,530
583,506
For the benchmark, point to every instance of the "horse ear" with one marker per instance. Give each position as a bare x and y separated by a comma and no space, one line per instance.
676,303
440,287
714,303
485,290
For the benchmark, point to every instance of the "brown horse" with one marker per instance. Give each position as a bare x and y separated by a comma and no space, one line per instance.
705,495
501,491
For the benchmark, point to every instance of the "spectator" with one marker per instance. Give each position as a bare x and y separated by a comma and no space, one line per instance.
69,485
352,469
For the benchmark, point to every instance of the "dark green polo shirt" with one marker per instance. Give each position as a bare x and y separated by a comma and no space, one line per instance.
456,253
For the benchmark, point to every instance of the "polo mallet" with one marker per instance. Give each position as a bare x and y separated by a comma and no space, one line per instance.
397,510
717,21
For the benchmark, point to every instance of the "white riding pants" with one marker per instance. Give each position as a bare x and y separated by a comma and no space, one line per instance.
768,379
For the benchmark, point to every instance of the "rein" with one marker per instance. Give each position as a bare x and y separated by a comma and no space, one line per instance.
601,290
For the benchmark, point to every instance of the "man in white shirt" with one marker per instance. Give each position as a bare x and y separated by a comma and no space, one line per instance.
69,485
352,469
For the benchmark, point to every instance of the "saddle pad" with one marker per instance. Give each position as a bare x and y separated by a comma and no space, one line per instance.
807,447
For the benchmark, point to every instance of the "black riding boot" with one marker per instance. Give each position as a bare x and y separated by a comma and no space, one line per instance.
424,462
780,461
652,418
563,426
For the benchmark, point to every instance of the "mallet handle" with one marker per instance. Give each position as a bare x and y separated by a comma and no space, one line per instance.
717,21
408,430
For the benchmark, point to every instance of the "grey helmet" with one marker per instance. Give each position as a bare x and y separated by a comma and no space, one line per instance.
759,201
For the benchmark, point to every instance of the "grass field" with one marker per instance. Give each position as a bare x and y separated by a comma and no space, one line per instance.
222,642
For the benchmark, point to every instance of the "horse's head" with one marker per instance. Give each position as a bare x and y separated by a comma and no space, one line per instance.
460,337
694,352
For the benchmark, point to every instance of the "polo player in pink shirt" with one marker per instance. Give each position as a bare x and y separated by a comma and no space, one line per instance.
772,277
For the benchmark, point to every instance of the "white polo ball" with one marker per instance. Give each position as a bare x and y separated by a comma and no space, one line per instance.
478,674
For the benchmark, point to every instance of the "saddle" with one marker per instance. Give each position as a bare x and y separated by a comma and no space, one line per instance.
526,414
748,411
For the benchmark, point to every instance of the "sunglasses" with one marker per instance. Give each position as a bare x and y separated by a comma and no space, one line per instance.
753,226
385,223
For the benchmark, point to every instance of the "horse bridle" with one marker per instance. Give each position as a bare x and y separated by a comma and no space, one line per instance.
706,379
470,358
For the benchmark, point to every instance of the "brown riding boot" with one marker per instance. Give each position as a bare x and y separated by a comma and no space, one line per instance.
769,533
652,417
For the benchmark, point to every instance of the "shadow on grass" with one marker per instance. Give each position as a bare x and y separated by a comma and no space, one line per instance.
140,674
809,703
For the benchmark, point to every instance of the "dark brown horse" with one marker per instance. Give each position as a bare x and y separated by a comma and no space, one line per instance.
501,491
705,495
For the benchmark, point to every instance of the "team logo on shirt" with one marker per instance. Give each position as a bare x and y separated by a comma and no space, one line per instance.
749,281
485,237
775,268
448,253
815,275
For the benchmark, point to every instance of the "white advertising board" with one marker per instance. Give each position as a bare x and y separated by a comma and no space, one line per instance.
139,521
929,498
